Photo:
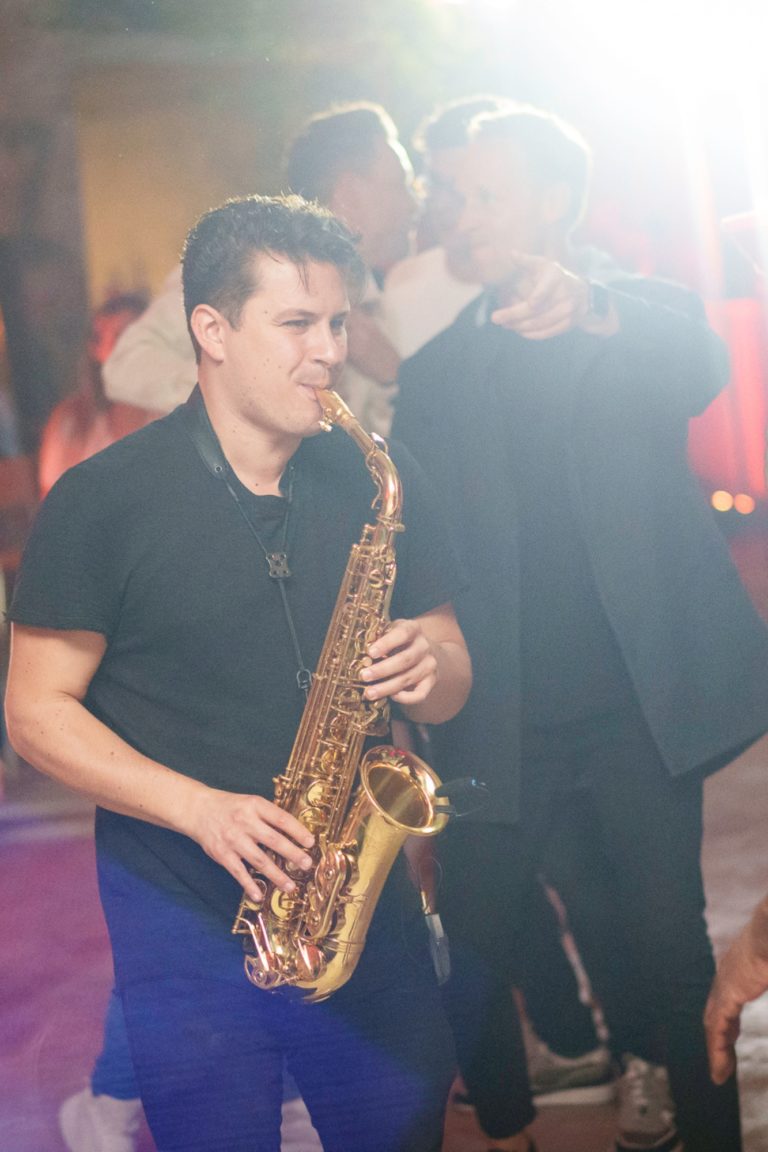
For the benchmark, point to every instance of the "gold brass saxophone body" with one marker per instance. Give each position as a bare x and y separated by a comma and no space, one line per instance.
312,938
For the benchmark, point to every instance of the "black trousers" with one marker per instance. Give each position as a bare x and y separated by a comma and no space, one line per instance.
648,828
548,981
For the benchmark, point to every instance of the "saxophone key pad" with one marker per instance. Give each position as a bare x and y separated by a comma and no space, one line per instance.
260,892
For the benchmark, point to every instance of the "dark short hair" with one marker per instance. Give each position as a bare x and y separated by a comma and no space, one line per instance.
556,151
341,139
448,125
217,262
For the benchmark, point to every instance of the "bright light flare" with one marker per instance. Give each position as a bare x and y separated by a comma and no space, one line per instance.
722,501
676,46
670,46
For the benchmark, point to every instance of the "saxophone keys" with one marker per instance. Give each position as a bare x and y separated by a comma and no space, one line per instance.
255,905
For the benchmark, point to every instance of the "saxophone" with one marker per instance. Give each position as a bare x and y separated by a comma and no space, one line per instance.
312,938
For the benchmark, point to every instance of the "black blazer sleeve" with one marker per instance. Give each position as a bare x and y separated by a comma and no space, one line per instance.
668,345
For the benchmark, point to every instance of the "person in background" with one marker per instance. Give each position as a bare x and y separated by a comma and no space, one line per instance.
348,158
9,438
606,622
423,295
351,159
169,696
742,976
87,421
425,292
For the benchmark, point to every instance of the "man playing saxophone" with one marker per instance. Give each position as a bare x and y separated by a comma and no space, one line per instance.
176,591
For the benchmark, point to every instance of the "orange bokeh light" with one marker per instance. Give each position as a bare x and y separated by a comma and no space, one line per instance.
722,501
744,503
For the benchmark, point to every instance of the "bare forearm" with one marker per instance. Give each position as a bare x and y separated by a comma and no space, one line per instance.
63,739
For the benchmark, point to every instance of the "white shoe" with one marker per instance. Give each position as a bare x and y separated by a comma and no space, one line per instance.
646,1113
91,1123
555,1080
297,1133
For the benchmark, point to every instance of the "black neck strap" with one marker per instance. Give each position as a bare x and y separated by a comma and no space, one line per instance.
197,424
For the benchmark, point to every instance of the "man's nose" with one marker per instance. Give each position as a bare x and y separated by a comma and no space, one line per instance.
330,345
466,219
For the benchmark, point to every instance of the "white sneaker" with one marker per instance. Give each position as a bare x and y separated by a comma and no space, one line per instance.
555,1080
91,1123
646,1113
296,1132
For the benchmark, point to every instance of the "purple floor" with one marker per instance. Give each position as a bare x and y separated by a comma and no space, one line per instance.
55,969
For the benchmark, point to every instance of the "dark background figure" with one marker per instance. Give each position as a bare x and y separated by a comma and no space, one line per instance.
599,661
33,388
86,421
423,294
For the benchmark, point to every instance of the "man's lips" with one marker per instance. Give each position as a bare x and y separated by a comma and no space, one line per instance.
313,388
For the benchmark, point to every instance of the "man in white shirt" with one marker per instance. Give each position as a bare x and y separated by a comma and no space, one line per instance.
348,158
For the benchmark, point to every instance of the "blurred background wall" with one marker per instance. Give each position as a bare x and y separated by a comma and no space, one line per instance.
121,120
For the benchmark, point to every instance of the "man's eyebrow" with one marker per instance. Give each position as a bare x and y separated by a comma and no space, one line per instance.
300,313
308,314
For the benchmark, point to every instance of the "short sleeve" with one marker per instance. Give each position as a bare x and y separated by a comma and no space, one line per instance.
429,570
67,578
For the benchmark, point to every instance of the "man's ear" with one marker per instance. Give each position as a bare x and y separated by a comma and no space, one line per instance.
347,195
209,327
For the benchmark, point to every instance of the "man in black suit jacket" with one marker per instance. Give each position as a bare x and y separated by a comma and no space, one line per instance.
617,658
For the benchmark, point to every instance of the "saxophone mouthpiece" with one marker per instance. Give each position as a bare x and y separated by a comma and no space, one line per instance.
333,408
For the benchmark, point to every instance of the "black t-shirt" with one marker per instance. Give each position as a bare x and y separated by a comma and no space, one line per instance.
571,661
142,544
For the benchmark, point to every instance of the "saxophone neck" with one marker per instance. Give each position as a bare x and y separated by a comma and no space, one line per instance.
389,500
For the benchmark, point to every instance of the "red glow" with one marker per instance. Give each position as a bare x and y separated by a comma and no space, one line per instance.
727,442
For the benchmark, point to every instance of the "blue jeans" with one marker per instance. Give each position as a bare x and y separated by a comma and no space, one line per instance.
113,1073
374,1069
